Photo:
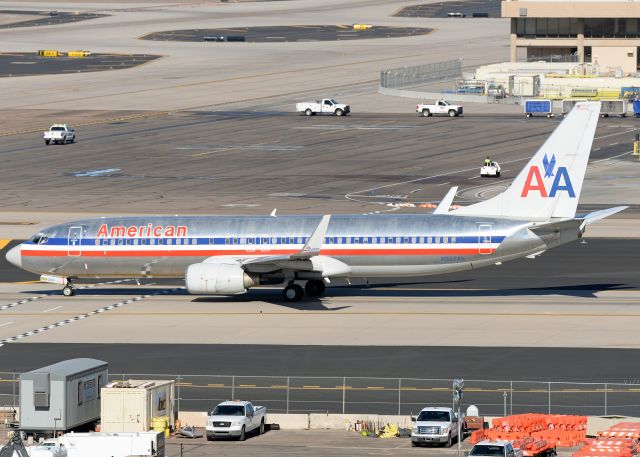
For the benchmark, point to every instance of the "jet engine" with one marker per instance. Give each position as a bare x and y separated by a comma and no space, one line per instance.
218,278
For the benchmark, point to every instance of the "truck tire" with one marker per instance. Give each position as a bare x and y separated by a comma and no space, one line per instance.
64,140
47,142
242,434
73,139
453,113
449,442
209,438
414,444
497,174
426,113
339,112
261,428
308,112
528,114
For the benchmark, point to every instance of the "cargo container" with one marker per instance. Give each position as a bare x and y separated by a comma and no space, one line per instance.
62,396
130,406
102,444
569,103
613,108
532,107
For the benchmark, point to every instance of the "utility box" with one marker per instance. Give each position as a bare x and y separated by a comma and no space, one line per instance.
62,396
130,406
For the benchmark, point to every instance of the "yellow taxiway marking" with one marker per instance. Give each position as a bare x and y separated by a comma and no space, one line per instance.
3,244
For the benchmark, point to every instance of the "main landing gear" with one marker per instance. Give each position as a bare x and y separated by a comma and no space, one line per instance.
69,290
312,288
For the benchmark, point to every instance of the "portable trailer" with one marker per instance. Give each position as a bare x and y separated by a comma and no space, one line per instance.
614,108
532,107
62,396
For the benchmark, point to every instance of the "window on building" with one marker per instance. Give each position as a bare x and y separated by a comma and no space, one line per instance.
79,392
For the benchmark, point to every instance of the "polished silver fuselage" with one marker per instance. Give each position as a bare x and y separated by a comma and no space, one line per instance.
371,245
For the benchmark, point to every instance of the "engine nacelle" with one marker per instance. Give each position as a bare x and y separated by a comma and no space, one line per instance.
217,278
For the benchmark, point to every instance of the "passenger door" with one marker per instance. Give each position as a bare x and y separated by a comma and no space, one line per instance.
250,417
327,106
484,239
74,242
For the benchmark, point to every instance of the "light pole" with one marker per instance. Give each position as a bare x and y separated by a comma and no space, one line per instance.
458,386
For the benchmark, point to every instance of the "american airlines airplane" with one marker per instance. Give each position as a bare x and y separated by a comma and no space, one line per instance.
230,254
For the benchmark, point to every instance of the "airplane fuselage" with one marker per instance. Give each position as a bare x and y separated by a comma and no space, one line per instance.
371,245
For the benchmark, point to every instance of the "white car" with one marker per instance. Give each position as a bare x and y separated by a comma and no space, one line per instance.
234,419
60,133
435,425
490,171
324,106
439,107
498,448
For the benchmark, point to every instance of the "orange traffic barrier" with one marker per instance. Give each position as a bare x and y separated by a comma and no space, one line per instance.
476,436
621,440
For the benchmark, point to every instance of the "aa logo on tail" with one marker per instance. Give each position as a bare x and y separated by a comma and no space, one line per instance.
536,183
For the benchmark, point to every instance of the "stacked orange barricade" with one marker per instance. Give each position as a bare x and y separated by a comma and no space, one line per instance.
621,440
557,430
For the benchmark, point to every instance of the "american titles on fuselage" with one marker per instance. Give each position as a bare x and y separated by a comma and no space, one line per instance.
146,231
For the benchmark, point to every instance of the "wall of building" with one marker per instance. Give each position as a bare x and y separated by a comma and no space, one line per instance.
609,58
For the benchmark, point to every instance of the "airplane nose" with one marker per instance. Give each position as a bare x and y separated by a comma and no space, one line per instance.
14,256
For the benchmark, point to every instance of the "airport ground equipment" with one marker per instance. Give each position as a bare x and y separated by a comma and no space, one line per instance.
533,107
636,108
100,444
439,107
60,133
61,396
569,103
131,406
324,106
490,171
435,425
617,108
234,419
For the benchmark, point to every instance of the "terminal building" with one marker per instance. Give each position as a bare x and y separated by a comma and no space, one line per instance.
602,32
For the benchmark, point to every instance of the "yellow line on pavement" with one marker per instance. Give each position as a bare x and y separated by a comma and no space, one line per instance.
3,243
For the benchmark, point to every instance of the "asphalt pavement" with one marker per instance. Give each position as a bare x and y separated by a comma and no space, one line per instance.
441,9
275,34
52,17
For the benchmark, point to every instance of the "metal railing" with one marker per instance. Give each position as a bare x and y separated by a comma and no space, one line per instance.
368,395
398,78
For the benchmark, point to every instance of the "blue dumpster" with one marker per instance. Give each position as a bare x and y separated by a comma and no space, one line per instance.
532,107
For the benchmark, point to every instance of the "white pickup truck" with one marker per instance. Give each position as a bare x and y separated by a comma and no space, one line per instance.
498,448
439,107
324,106
235,419
435,425
490,171
60,133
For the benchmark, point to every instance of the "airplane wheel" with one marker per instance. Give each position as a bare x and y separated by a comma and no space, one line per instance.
68,291
314,288
293,292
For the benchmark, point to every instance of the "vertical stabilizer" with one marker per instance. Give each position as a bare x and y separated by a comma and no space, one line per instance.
549,186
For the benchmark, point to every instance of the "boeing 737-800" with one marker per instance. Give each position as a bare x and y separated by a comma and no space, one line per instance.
230,254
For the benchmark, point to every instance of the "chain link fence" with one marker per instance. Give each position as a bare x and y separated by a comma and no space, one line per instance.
399,78
365,395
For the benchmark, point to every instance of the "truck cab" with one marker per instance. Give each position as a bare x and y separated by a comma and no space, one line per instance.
435,425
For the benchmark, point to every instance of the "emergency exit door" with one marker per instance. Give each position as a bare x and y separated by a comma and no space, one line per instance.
484,239
74,242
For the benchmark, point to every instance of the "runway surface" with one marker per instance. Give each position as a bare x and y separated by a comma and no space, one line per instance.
275,34
29,64
205,162
47,18
490,7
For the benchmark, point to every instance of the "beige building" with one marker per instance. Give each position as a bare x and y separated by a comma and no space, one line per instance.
603,32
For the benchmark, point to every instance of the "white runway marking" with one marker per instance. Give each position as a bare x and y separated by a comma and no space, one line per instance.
52,309
70,320
6,323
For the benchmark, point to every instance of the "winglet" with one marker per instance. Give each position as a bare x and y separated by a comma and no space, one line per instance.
273,213
315,240
445,203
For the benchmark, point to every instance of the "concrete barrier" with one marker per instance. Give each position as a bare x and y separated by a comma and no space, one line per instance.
317,421
433,95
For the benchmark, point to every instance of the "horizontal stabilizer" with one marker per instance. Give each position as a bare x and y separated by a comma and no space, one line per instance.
599,215
445,203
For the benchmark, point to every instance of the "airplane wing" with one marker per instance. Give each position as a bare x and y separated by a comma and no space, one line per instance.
445,203
306,259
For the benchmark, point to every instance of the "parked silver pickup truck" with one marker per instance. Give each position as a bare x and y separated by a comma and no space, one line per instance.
234,419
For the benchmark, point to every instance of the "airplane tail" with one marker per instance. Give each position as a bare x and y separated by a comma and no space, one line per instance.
549,185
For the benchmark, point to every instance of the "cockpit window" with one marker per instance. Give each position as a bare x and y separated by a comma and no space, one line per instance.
43,240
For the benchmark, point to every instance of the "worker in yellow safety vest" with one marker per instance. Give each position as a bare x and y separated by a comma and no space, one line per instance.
487,162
